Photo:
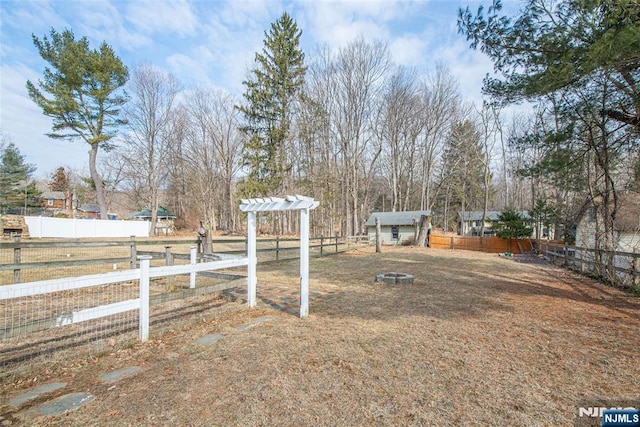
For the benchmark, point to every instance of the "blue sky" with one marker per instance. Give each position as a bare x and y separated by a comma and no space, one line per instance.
213,43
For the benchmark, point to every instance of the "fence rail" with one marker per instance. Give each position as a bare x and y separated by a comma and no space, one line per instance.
27,260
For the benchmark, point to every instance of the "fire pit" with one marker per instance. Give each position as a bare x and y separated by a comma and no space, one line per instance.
394,278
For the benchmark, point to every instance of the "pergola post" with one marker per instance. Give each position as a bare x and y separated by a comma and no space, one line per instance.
252,279
304,263
273,204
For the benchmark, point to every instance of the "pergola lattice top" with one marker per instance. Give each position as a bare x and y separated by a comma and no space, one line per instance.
270,204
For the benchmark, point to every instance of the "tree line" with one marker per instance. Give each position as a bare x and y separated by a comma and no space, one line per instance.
359,133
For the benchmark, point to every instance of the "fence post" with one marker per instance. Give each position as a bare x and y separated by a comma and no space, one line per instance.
452,242
336,243
192,260
144,296
134,252
277,248
168,260
634,266
16,259
321,243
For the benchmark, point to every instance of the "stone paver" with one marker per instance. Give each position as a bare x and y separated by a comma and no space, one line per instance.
36,392
65,403
119,374
209,339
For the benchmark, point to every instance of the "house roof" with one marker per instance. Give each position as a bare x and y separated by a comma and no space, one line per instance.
53,195
491,215
89,207
396,218
628,218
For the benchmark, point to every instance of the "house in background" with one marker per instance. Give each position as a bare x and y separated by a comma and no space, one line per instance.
165,222
54,200
470,222
92,210
396,227
626,224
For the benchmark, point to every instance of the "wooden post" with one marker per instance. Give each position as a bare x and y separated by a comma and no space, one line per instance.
321,245
336,243
144,297
252,280
304,263
452,242
378,236
208,242
168,261
635,278
193,259
132,248
16,259
277,248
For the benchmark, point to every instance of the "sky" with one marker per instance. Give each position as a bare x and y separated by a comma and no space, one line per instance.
213,43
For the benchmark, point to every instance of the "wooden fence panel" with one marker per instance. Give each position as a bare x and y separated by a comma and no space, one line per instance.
486,244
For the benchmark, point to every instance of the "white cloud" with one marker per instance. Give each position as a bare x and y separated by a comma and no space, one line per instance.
409,50
162,17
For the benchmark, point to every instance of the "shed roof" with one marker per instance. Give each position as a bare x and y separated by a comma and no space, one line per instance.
53,195
146,213
396,218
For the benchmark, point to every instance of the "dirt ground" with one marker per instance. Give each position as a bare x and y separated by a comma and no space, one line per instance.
478,339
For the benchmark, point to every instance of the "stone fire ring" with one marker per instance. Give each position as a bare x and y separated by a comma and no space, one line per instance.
394,278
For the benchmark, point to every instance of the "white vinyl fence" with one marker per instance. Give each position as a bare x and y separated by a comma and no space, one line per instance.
40,226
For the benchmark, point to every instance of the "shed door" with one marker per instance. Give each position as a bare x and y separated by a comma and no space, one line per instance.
395,231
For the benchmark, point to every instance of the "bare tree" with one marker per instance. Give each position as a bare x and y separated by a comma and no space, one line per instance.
213,155
400,125
150,120
441,102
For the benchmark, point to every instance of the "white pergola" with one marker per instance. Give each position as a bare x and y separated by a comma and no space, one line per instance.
271,204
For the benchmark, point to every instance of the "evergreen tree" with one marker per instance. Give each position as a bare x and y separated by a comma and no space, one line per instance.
80,92
562,45
511,224
271,96
15,189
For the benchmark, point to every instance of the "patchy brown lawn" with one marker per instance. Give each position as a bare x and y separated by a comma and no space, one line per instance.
477,340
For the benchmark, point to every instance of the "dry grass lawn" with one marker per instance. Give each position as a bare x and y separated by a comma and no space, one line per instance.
477,340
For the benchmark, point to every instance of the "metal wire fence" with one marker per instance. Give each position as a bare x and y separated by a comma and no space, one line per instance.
37,329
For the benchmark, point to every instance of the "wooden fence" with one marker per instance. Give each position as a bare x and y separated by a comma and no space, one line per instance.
626,265
484,244
27,261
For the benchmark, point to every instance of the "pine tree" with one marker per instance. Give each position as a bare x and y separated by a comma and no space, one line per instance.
271,95
80,91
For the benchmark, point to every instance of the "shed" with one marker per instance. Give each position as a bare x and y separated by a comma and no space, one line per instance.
396,227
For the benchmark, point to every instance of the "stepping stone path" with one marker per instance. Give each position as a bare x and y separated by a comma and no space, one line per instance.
281,299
